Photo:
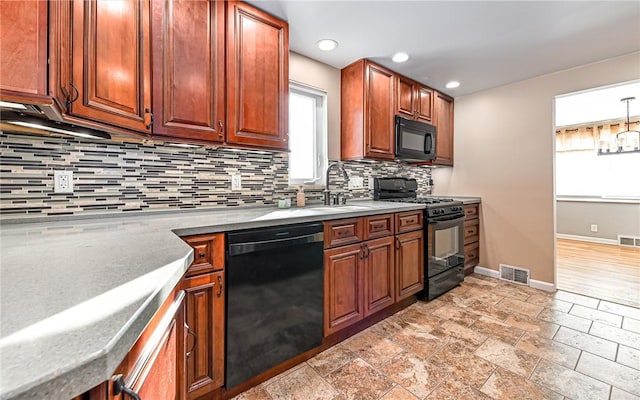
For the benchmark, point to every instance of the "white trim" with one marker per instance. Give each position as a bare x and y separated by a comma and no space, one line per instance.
546,286
586,239
487,272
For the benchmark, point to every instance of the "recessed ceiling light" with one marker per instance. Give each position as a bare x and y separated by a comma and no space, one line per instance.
452,85
327,44
400,57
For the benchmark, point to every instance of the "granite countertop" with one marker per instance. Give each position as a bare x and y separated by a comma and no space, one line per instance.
76,294
466,199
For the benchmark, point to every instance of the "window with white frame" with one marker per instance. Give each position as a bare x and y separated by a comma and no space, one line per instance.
307,134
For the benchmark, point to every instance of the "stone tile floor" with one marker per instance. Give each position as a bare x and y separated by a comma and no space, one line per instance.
487,339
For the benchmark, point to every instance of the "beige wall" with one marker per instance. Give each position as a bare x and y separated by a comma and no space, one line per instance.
504,153
327,78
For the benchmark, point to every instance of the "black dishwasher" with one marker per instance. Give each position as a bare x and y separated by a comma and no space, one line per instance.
274,297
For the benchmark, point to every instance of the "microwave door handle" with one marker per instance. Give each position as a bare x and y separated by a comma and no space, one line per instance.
428,143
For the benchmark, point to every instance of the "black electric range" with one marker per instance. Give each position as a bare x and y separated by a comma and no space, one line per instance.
443,233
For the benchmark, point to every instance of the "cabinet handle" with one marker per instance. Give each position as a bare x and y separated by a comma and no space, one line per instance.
366,249
397,243
195,341
221,128
150,124
219,286
378,226
361,252
202,255
120,387
77,94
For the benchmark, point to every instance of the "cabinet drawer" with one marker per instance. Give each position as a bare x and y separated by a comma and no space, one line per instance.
471,211
208,253
471,234
470,222
342,231
376,226
409,221
471,250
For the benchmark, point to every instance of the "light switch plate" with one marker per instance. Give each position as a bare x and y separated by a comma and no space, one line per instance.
236,182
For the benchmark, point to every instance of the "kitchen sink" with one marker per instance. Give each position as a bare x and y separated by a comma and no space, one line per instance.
340,208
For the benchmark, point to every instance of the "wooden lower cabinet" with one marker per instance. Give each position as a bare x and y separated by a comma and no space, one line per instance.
205,334
471,237
366,277
409,264
154,367
379,274
344,291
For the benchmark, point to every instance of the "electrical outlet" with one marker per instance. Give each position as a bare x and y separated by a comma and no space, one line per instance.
356,182
236,182
594,228
63,181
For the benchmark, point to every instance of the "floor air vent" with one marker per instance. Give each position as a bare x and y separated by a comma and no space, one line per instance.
629,241
513,274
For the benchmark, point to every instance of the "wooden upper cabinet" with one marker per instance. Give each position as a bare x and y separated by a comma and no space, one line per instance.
188,69
443,106
23,48
111,70
258,77
424,103
406,97
413,100
368,109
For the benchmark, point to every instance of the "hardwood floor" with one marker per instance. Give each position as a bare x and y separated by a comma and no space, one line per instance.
599,270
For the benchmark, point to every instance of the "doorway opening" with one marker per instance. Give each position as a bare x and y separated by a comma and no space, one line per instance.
597,192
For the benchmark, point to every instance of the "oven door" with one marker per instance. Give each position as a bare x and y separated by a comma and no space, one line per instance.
445,248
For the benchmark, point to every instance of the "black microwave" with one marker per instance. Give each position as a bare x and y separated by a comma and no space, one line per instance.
415,140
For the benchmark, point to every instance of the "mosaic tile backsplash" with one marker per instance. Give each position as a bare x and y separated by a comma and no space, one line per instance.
113,177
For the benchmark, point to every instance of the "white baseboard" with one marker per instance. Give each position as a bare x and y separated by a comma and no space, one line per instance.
487,272
586,239
546,286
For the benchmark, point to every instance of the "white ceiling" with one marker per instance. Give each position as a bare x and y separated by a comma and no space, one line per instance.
481,44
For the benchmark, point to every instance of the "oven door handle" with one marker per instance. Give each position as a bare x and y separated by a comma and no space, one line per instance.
446,220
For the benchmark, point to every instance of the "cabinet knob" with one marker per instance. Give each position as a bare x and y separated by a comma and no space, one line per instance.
202,255
221,130
219,286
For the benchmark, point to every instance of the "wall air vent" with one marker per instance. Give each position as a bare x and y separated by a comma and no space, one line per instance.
514,274
631,241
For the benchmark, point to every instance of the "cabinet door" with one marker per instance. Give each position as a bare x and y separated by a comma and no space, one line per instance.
258,77
153,367
379,274
188,69
379,112
405,100
23,53
409,264
111,62
423,103
343,287
205,334
444,122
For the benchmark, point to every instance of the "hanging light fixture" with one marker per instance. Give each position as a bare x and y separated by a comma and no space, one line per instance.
623,136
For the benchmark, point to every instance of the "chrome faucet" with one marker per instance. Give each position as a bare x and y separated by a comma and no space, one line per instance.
327,192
